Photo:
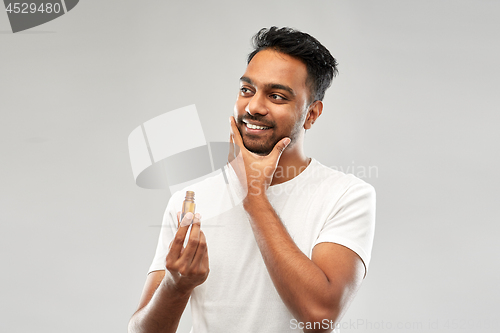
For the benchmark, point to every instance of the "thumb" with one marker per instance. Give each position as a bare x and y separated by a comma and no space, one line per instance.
280,146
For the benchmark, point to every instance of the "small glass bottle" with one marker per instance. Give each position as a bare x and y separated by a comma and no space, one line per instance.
188,204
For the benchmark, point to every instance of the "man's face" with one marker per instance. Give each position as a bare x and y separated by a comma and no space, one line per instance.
272,101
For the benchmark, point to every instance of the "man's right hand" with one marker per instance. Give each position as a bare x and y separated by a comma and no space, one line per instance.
166,293
188,267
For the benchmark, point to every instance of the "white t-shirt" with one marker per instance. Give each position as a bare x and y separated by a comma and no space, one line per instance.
319,205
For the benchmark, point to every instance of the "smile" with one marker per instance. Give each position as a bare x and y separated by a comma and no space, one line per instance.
256,127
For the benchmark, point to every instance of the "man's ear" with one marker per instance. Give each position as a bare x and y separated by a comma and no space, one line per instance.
313,112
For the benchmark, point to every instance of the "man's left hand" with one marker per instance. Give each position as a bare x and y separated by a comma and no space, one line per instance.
256,170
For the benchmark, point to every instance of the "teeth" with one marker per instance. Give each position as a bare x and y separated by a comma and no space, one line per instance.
256,127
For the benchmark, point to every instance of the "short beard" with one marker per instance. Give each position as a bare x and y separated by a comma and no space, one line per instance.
262,149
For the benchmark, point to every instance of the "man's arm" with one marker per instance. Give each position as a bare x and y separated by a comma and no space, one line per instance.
166,293
161,306
312,289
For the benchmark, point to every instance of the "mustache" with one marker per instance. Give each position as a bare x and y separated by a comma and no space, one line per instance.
258,119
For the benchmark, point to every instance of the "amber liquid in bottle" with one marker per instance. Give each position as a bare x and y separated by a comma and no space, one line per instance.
188,205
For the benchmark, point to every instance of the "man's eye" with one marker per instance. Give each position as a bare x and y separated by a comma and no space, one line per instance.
245,91
278,97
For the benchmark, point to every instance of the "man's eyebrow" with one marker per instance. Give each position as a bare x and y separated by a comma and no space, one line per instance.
246,79
270,85
280,87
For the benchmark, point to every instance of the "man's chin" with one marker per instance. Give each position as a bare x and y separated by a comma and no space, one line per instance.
258,149
261,152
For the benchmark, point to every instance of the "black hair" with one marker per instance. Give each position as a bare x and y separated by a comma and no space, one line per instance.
321,65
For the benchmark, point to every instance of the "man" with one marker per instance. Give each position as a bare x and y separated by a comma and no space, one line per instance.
295,250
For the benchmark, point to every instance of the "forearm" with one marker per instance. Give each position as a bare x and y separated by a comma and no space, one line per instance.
163,312
301,284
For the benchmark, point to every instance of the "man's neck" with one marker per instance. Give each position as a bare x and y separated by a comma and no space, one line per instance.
290,166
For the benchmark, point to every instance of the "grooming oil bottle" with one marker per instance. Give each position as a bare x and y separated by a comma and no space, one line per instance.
188,205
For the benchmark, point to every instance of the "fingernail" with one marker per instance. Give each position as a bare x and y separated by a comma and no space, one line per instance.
188,218
287,142
197,218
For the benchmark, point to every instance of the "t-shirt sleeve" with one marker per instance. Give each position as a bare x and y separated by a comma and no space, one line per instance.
351,222
167,233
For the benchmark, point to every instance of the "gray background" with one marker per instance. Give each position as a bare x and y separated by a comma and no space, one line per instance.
417,97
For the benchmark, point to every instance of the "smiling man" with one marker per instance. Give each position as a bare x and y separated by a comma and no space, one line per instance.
291,256
274,103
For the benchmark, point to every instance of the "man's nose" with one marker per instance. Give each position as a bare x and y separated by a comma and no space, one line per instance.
257,105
